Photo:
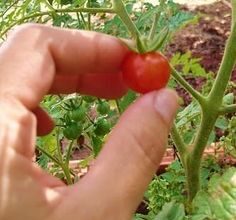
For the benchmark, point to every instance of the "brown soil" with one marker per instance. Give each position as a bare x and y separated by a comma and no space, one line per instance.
205,40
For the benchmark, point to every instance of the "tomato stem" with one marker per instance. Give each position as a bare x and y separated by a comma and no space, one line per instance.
153,28
121,11
61,10
228,109
211,109
118,106
179,143
177,76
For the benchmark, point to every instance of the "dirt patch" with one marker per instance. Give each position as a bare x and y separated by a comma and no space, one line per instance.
205,40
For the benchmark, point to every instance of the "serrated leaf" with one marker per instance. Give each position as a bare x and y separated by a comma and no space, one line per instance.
228,99
222,123
219,201
171,211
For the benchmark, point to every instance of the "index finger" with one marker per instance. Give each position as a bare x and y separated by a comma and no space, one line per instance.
62,61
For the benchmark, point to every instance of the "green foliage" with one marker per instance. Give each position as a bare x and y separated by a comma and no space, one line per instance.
219,200
189,65
188,120
126,100
171,185
93,118
166,187
229,140
171,211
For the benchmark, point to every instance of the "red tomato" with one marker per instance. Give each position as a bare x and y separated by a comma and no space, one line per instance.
145,72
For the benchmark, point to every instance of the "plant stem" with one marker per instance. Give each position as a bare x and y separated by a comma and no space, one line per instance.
67,173
233,3
193,159
62,10
210,111
49,156
187,86
121,11
68,153
89,15
224,73
179,143
153,29
83,20
118,106
59,146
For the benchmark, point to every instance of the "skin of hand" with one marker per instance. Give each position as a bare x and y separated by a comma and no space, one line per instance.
36,60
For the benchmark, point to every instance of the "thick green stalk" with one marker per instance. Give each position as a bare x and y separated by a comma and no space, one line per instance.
233,3
193,159
121,11
226,68
67,173
210,111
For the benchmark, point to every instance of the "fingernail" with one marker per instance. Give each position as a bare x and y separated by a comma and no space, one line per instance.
166,104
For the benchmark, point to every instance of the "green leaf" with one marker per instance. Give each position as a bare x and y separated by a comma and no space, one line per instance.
159,40
48,142
219,201
228,99
171,211
127,100
222,123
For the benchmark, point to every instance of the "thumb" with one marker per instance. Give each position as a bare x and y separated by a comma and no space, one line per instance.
130,158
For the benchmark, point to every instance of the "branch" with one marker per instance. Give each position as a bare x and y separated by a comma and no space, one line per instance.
179,143
233,6
187,86
54,159
63,10
228,109
120,10
225,70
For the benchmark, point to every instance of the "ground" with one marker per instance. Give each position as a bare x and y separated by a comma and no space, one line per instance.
206,39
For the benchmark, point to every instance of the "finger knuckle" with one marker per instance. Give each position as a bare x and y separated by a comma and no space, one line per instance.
150,144
24,29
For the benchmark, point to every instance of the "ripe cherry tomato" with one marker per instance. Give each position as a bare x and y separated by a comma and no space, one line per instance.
145,72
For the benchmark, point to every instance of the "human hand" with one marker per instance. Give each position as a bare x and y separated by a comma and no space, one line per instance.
36,60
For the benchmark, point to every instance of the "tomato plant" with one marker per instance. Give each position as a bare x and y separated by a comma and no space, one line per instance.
145,72
150,28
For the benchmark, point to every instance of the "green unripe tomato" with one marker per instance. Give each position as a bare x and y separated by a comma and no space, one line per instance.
73,131
78,114
102,127
89,99
103,108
